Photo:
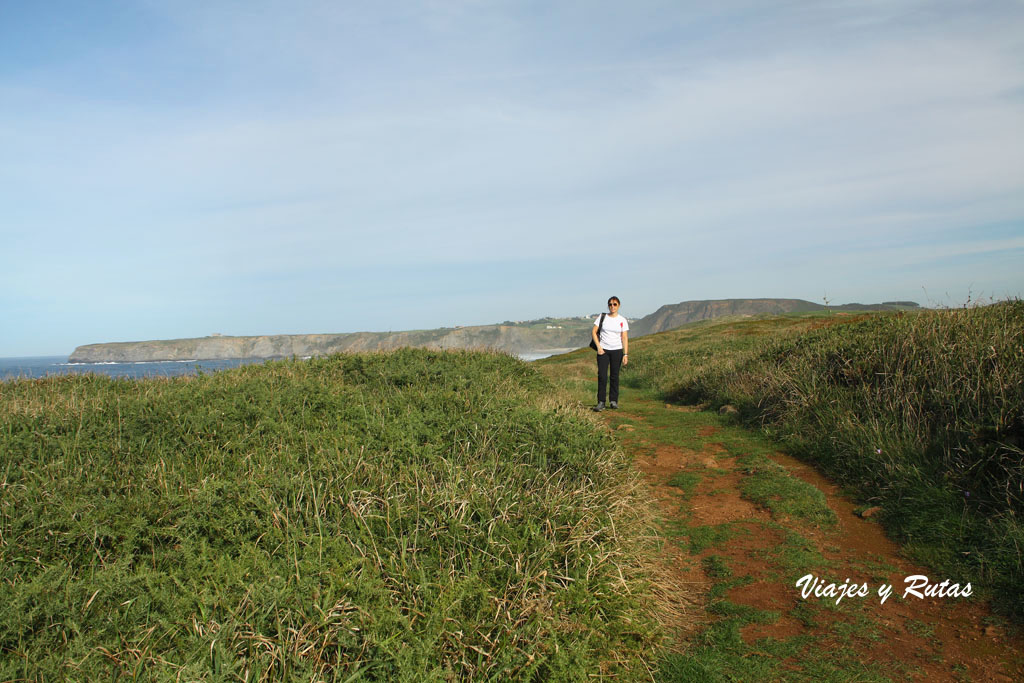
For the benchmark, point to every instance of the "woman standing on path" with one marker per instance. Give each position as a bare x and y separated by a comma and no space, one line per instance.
611,336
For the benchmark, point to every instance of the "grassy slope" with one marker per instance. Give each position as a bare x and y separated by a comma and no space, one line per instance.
922,413
715,647
295,520
404,516
938,393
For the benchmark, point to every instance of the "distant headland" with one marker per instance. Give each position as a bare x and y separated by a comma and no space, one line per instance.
546,335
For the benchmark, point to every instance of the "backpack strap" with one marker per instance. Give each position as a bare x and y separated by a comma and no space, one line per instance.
600,325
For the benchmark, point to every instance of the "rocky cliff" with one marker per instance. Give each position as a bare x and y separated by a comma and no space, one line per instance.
513,339
529,337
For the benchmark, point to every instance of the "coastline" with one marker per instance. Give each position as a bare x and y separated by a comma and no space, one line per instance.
38,367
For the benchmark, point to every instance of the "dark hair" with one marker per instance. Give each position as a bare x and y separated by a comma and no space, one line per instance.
616,300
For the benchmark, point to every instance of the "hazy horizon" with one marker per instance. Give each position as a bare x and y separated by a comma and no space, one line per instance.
634,317
171,170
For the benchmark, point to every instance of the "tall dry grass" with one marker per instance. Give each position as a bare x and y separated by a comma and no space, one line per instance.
922,413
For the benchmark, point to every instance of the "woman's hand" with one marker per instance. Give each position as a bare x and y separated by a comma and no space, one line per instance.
625,360
600,351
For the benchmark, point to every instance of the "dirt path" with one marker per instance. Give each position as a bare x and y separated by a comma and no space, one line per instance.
747,522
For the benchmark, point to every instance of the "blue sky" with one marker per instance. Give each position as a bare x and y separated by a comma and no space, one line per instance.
174,169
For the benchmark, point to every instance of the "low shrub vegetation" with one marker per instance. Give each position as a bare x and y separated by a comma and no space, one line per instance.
404,516
921,413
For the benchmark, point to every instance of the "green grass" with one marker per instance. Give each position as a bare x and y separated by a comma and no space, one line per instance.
735,554
700,538
795,555
402,516
686,481
450,516
721,654
919,412
770,485
716,567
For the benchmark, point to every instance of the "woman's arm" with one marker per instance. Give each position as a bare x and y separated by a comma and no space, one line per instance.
625,348
597,342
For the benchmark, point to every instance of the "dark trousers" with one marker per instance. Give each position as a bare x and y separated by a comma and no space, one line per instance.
612,359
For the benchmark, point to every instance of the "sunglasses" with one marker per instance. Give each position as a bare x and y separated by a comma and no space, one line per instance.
612,303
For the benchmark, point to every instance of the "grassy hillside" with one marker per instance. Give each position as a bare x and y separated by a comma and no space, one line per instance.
921,413
418,515
671,316
403,516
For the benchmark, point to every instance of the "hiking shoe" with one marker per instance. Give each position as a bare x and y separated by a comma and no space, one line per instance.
599,407
614,405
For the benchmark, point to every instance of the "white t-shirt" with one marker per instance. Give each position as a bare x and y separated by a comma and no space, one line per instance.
611,333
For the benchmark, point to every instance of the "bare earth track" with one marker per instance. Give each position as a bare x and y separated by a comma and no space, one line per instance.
742,559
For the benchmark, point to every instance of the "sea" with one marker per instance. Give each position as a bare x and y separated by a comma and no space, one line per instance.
43,366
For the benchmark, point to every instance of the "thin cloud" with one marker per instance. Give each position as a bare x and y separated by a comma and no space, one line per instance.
448,134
